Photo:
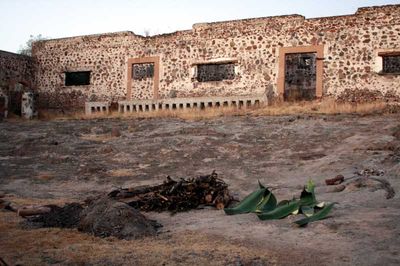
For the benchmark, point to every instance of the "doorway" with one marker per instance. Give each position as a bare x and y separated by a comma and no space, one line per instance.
300,77
300,72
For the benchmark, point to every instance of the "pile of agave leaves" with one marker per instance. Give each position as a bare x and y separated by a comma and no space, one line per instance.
264,204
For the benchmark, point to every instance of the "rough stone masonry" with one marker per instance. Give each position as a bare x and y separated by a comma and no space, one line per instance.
290,57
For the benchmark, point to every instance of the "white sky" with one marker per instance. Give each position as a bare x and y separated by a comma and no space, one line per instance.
63,18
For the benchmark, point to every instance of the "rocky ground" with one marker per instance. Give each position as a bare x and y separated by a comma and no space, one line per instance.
56,162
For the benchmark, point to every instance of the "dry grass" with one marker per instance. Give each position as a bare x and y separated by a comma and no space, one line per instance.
326,106
121,172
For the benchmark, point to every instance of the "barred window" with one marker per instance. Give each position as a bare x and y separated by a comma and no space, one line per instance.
215,72
142,71
391,64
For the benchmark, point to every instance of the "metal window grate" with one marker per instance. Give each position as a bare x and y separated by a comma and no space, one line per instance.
391,63
142,71
215,72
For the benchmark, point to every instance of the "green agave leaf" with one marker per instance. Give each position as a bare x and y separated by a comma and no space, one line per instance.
280,212
283,202
317,216
267,204
249,203
260,185
307,198
310,186
307,210
263,200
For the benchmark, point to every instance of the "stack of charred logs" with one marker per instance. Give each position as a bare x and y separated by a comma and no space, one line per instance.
177,195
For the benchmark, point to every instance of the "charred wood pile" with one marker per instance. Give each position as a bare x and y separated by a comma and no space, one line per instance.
177,195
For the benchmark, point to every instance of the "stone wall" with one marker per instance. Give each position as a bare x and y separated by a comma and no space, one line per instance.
17,74
14,69
351,48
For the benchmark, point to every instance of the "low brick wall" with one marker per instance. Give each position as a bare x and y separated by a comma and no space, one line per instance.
97,107
188,103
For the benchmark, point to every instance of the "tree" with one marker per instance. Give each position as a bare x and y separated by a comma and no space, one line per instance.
27,48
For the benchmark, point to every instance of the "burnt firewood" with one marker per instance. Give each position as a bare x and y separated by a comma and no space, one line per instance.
132,192
175,187
177,196
33,210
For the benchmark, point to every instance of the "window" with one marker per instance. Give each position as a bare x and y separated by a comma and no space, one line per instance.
390,62
215,72
77,78
142,71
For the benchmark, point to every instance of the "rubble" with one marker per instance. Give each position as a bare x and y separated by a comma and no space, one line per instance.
365,96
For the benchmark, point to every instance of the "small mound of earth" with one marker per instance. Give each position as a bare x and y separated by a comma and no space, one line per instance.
63,217
103,217
106,217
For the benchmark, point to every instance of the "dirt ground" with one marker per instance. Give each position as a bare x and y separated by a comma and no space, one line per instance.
56,162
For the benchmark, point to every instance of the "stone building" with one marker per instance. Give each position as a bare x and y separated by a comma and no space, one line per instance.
17,75
288,57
